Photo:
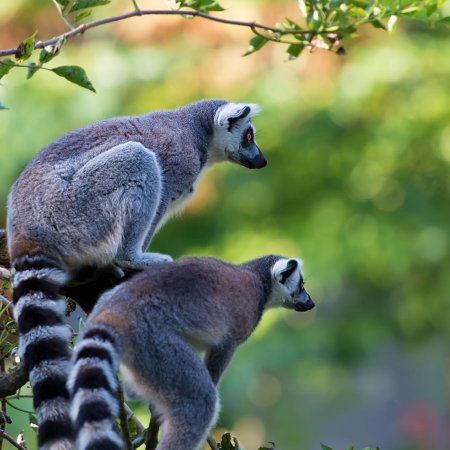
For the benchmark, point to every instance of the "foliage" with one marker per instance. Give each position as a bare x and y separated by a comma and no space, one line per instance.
325,24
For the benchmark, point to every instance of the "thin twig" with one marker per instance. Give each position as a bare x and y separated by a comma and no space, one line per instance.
3,415
132,416
151,439
212,443
11,440
5,302
124,420
10,382
80,29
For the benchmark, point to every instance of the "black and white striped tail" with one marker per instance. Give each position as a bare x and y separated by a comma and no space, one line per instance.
93,387
43,342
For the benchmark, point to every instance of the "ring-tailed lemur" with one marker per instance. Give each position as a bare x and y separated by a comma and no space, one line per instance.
92,200
153,326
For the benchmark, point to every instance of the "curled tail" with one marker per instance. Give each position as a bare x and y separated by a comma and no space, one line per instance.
93,387
43,342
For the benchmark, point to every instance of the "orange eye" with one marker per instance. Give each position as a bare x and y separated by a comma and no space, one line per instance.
249,137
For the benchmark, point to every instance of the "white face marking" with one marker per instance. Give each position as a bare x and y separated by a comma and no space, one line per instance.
282,290
227,140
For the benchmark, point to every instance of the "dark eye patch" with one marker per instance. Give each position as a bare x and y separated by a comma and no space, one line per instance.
301,285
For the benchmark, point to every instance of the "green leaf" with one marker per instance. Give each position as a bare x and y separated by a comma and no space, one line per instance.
32,69
204,6
5,66
294,50
325,447
377,24
75,74
33,422
225,443
83,4
391,23
83,15
26,47
256,43
63,4
46,55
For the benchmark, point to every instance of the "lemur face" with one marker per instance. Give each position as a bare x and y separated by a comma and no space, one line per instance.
288,287
234,138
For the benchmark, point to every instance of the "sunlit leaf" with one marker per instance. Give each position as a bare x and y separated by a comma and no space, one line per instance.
25,49
75,74
256,43
201,5
302,7
5,66
63,4
391,23
83,4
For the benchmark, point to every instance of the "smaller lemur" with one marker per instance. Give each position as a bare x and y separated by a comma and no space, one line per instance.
153,327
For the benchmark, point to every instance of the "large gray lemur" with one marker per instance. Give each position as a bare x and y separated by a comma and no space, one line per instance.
152,328
90,202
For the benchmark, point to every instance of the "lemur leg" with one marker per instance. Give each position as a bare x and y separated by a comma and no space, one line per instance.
217,360
177,383
122,189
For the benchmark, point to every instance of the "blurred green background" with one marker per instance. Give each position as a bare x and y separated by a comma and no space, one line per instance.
357,185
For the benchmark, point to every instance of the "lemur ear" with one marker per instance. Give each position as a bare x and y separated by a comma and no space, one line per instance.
284,268
230,114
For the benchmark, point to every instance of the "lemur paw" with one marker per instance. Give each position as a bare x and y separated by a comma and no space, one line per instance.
142,261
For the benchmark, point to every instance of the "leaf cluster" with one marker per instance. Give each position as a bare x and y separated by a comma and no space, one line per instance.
326,23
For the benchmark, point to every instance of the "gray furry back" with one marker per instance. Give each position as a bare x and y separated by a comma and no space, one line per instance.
90,203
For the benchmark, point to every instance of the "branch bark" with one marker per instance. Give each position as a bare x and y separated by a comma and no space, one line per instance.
10,382
3,435
154,12
4,258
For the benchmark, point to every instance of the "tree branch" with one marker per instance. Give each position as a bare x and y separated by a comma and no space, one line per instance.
4,258
10,382
146,12
11,440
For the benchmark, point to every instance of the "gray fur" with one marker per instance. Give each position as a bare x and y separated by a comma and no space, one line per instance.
88,205
96,195
160,320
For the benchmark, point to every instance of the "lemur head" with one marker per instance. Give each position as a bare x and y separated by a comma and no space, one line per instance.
288,288
234,136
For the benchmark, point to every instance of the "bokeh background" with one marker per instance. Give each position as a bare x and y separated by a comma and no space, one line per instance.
357,185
